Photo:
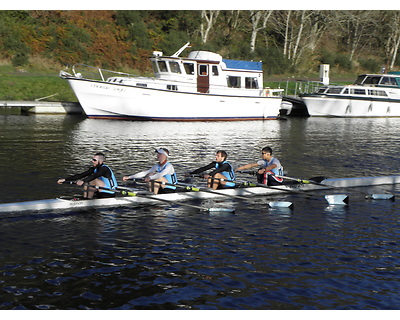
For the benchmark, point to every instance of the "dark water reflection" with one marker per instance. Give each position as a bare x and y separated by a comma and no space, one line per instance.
315,256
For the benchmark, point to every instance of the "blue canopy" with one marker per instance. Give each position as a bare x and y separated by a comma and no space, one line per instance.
246,65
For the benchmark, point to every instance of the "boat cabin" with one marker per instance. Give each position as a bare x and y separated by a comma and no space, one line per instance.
202,72
351,91
209,73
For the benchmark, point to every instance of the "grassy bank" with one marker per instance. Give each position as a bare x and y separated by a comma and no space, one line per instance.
27,86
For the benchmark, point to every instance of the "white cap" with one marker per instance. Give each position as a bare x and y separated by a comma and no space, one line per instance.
163,151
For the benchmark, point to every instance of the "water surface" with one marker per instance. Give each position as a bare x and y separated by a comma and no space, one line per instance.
315,256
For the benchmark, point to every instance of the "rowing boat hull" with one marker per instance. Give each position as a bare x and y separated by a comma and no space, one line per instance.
140,200
65,204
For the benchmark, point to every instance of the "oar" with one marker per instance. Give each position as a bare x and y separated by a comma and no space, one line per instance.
124,191
282,204
197,189
134,193
186,204
329,198
341,199
375,196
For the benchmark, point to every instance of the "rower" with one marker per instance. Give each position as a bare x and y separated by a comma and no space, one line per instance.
162,172
270,170
98,175
222,171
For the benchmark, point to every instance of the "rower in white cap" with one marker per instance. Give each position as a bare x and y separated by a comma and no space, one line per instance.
162,172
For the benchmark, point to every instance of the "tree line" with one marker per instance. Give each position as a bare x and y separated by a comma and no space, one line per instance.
285,40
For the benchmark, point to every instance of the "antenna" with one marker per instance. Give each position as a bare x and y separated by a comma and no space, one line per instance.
176,54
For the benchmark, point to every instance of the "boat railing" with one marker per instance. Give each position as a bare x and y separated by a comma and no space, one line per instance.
81,70
298,87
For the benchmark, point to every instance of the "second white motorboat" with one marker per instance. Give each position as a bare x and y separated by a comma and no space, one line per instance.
372,95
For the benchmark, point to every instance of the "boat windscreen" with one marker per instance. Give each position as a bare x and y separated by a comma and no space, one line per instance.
360,79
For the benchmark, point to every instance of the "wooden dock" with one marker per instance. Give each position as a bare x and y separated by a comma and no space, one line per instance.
40,107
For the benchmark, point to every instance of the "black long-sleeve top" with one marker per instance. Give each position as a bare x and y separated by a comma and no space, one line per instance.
89,175
221,168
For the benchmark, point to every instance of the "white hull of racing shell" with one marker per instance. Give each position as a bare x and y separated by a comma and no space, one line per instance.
140,200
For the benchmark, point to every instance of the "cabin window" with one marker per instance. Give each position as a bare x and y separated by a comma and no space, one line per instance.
251,83
162,65
215,71
143,85
203,70
388,81
334,90
371,80
172,87
358,91
155,68
189,67
174,67
233,82
377,93
321,90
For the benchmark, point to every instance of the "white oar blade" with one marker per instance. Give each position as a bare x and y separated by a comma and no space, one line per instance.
216,209
383,196
340,199
280,204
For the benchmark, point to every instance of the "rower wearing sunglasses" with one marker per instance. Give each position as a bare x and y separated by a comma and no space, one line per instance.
98,175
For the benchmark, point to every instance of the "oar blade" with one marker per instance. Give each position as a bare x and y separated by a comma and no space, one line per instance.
383,196
337,199
280,204
220,209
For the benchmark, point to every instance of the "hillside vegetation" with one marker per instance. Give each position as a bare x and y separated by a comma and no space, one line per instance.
36,44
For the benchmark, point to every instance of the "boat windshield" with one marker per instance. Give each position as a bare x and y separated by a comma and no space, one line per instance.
360,79
388,81
368,80
376,80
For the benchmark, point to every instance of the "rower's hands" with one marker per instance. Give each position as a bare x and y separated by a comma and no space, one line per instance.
80,182
126,178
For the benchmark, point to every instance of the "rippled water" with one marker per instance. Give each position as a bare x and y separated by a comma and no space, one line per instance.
315,256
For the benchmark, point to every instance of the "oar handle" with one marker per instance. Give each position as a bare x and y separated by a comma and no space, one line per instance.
282,177
253,173
124,191
69,182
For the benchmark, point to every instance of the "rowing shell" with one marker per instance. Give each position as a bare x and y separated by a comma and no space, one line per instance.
63,204
134,201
